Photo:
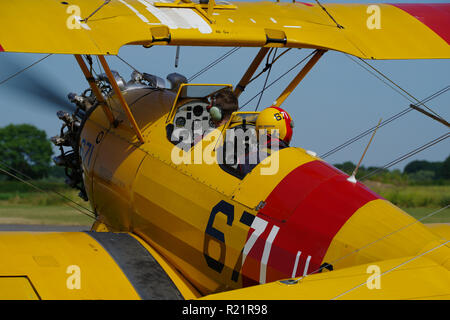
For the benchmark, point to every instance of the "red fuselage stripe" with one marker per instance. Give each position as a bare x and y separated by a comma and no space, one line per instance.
310,205
436,16
1,48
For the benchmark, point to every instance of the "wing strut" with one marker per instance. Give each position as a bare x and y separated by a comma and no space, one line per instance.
295,82
250,71
122,100
90,79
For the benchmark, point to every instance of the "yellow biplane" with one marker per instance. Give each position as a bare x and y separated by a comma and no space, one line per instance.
172,223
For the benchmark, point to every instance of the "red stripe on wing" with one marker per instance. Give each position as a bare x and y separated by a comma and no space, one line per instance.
305,3
436,16
1,48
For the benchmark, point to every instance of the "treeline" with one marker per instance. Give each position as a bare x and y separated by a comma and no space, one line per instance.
417,172
26,151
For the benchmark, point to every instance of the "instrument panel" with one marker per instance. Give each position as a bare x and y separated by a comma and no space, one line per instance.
191,121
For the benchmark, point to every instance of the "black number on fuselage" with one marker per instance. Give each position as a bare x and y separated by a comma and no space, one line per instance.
212,234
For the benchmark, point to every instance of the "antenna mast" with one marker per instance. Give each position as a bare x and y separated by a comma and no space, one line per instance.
352,177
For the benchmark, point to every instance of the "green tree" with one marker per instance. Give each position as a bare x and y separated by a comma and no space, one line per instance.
423,165
346,167
445,169
422,176
417,165
26,149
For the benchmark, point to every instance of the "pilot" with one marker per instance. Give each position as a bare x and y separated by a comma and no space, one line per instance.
277,121
275,125
223,104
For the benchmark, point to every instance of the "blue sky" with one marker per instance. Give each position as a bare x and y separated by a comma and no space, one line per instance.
336,101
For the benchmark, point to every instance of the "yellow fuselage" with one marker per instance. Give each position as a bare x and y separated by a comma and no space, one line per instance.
222,232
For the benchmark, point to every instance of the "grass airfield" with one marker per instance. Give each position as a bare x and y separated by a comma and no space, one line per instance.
23,205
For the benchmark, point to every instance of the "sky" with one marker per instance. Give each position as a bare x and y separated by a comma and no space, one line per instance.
335,102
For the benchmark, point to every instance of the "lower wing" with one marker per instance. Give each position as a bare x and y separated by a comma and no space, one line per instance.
85,265
398,279
106,265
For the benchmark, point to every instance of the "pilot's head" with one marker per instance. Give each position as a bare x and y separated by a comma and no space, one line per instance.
223,104
275,118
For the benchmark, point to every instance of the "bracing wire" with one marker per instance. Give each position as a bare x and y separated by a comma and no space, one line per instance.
85,20
379,75
392,269
268,65
397,86
329,15
123,60
24,69
55,192
278,79
380,78
408,155
78,207
91,214
267,76
24,176
385,122
378,240
214,63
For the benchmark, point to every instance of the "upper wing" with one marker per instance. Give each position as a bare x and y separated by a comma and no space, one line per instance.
382,31
85,265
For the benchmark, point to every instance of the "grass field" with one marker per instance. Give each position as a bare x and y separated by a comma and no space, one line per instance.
45,215
20,204
64,215
413,196
440,217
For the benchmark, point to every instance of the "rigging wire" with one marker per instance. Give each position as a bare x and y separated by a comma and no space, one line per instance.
48,192
385,122
269,68
376,241
329,15
393,268
24,69
85,20
279,78
100,70
380,78
24,176
214,63
268,65
385,236
408,155
399,90
79,207
397,86
68,200
123,60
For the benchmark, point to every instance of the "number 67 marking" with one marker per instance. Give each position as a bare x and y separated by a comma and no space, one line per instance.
256,223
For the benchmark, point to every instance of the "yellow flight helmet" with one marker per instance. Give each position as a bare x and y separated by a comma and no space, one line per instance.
276,118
